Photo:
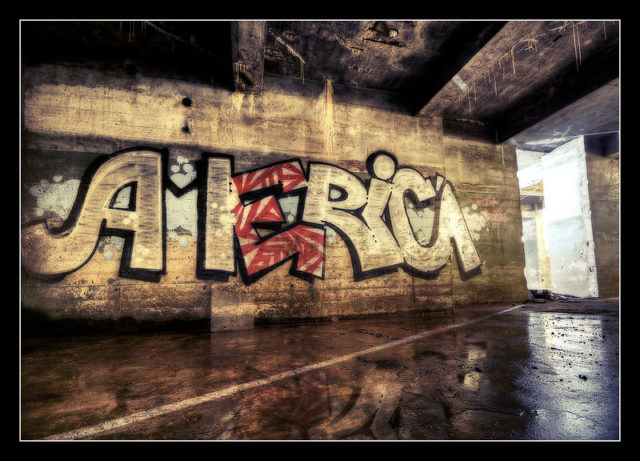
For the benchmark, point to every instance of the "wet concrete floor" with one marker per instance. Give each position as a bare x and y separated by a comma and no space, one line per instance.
537,372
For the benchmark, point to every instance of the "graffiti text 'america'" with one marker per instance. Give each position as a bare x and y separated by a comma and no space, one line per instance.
241,223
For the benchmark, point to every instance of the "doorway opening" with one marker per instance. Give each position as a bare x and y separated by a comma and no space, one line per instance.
556,220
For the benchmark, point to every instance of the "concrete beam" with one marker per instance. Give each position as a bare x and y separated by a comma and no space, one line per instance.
565,88
597,112
451,100
247,51
452,56
529,71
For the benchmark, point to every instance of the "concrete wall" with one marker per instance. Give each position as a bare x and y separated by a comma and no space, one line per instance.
537,270
530,178
603,172
531,254
567,221
463,247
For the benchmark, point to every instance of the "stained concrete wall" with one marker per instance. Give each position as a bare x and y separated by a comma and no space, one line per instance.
531,254
72,115
487,187
603,172
567,221
530,178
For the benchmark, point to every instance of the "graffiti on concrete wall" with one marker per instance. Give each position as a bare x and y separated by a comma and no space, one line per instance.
242,225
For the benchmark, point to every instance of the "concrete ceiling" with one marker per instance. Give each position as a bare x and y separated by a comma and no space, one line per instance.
535,84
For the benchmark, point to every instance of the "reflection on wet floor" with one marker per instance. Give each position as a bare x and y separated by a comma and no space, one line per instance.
523,374
577,372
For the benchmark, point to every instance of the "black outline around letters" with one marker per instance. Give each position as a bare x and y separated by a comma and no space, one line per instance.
248,198
125,269
200,184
